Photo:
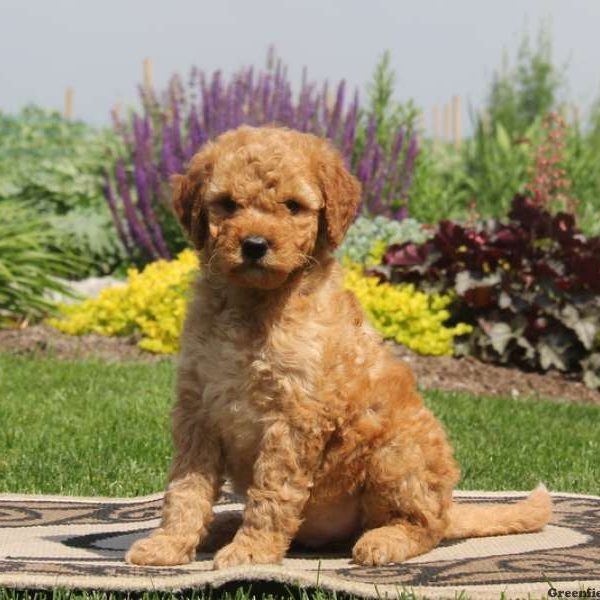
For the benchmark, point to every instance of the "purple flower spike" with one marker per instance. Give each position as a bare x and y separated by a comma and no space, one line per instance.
161,138
195,135
409,165
334,122
349,134
142,185
136,229
112,204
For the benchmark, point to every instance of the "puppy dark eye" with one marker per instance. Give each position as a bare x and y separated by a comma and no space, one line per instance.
228,204
293,206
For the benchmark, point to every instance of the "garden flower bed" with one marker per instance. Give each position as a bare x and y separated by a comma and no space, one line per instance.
437,257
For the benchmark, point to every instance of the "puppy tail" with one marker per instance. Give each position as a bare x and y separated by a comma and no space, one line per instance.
477,520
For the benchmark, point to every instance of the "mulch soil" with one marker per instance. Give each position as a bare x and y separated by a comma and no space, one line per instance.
432,372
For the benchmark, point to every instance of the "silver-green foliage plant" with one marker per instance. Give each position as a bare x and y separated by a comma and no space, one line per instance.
367,233
32,263
57,167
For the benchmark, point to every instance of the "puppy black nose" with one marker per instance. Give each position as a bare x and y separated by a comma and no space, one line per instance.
254,247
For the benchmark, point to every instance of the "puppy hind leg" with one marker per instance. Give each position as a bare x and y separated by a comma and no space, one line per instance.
405,503
400,523
393,543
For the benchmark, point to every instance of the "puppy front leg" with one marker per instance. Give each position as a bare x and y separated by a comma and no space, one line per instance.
281,485
194,484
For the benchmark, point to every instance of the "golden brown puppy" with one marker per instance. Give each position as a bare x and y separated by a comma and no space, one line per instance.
283,386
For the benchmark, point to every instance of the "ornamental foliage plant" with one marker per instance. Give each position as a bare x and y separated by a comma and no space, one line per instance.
56,168
152,304
172,126
367,236
33,265
529,287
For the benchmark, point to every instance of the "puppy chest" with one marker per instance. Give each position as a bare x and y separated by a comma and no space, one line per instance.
240,392
252,375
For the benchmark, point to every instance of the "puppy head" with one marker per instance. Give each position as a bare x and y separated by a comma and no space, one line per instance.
260,201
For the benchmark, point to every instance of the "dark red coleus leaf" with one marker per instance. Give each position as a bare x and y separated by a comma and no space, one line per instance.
480,297
587,269
530,216
563,227
408,254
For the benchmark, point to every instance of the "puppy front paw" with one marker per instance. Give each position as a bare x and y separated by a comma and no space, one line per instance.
244,553
162,550
376,549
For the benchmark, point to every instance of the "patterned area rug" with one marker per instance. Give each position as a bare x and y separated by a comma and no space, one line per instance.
79,543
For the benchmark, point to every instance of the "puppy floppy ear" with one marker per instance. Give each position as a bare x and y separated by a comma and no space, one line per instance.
189,209
341,193
182,200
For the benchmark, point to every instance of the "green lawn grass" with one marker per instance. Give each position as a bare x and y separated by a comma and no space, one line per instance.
247,592
84,428
93,428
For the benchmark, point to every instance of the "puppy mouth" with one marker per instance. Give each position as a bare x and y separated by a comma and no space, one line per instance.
251,268
255,268
257,274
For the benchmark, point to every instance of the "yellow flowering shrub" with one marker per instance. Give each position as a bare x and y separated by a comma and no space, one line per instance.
152,304
376,253
404,314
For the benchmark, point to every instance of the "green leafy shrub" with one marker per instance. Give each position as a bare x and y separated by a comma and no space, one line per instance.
437,185
31,261
583,170
530,287
496,162
388,115
522,94
480,179
57,168
496,166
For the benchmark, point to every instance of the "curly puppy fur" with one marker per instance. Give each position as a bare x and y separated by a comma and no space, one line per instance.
284,387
